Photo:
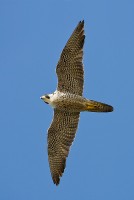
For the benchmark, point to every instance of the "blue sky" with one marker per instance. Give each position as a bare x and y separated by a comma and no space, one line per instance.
32,36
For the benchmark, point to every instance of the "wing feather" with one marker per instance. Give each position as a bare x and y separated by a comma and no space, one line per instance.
70,67
60,137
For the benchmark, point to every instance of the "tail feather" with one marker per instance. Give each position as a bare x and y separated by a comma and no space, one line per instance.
94,106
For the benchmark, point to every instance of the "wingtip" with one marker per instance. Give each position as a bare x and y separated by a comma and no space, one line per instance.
80,26
81,22
56,180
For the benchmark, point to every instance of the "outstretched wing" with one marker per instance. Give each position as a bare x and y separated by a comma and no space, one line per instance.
70,68
60,137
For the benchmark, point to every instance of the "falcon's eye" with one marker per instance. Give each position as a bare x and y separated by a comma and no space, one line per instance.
47,97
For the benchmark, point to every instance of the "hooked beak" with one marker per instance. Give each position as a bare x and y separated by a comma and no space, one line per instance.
42,97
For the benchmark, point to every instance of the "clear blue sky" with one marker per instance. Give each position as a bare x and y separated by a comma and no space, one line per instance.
100,165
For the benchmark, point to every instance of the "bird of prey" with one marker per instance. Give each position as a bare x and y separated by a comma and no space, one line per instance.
67,102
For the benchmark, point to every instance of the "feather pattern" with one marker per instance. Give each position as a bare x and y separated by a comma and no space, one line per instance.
70,67
60,137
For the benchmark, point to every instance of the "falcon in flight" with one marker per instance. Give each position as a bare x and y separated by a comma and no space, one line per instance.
67,102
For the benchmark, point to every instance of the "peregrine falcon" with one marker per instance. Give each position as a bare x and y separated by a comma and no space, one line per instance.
67,102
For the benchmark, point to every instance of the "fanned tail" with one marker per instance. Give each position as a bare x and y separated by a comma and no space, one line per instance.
94,106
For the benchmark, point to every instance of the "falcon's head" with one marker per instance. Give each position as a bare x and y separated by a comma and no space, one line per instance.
50,98
46,98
